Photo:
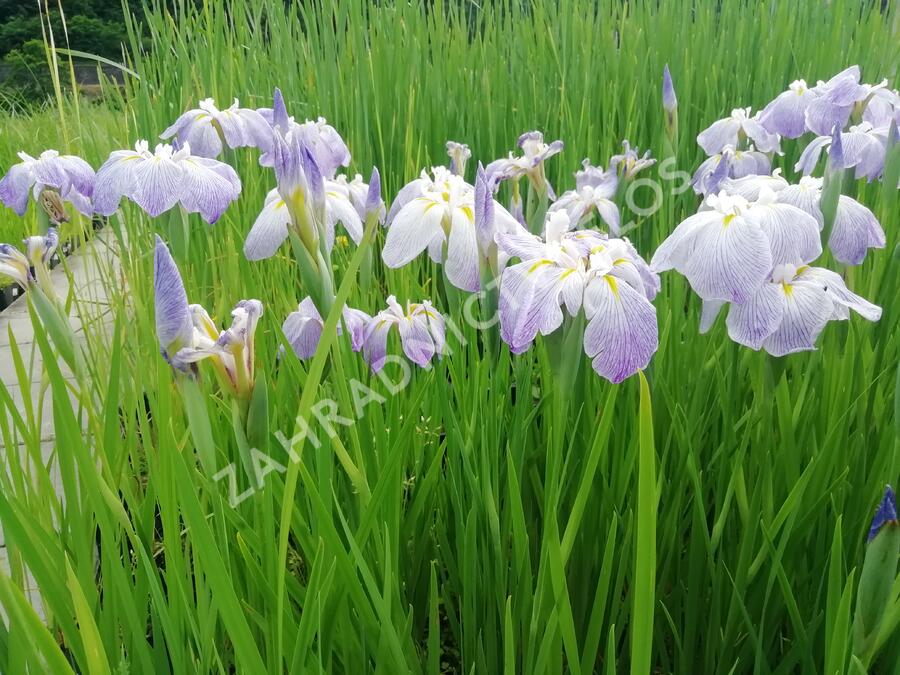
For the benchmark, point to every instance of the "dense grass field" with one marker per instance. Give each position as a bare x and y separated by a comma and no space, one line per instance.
707,516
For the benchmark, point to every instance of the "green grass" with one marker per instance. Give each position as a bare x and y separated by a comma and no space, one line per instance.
480,520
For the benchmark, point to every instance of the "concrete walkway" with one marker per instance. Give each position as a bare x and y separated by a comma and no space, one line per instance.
88,273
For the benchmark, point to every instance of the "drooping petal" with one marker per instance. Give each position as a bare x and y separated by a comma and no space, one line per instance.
805,197
413,228
729,261
609,214
674,251
855,230
793,234
806,311
823,115
174,327
339,209
529,303
416,340
375,346
719,134
786,115
750,323
115,179
843,298
622,335
158,184
208,187
270,229
461,265
356,321
303,329
15,186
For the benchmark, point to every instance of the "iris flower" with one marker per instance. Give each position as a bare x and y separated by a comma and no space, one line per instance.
38,252
788,312
303,328
786,114
206,129
158,181
629,163
421,329
458,153
580,270
345,203
68,176
729,163
855,228
863,150
727,250
734,129
883,108
188,335
750,187
437,213
324,144
594,190
531,164
836,100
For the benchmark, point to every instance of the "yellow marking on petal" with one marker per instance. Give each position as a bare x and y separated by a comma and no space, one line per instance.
801,270
538,264
430,206
727,219
566,273
788,289
598,248
467,210
613,285
620,261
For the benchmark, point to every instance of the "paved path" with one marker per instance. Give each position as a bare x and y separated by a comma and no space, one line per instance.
87,272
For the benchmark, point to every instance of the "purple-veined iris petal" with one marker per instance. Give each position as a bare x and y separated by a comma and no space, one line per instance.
356,321
157,184
270,229
115,179
750,323
749,187
174,327
208,187
793,234
303,329
407,193
843,298
621,336
855,230
786,114
729,261
805,196
674,252
416,340
806,310
461,265
15,186
411,231
375,345
529,302
719,134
